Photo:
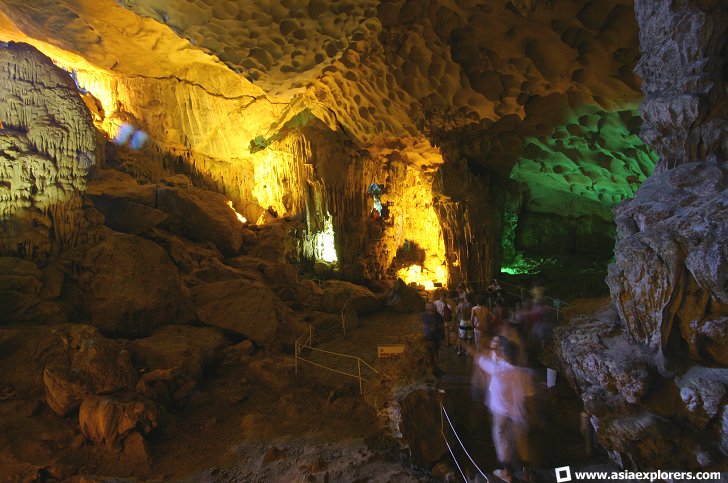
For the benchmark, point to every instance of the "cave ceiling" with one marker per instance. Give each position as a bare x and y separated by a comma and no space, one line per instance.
543,91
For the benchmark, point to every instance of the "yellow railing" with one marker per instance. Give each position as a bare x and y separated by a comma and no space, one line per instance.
305,341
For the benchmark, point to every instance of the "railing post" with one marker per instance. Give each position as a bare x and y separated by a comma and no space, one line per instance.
358,366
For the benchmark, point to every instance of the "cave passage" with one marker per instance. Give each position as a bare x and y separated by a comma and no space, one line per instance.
229,230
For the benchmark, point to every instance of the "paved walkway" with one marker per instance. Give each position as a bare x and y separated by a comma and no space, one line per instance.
556,443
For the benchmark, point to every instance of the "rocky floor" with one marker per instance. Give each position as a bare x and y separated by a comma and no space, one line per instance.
251,419
248,420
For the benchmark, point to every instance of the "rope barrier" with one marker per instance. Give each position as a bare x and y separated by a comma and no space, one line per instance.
369,366
519,287
327,331
299,346
561,302
442,407
332,353
332,369
449,448
341,355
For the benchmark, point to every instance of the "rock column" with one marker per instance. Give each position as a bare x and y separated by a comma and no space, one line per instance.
684,69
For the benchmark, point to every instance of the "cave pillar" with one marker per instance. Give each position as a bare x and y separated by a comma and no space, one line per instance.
470,209
669,277
684,68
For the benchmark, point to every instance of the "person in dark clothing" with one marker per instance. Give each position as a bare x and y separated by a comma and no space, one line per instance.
432,330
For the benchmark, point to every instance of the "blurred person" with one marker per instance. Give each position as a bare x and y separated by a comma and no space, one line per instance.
444,308
482,321
500,316
495,291
463,315
540,329
470,291
432,329
510,387
462,293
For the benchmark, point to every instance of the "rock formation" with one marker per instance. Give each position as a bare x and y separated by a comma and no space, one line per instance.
47,145
654,374
683,73
172,174
400,89
675,295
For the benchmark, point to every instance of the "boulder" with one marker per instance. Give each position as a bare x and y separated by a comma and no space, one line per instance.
174,358
179,180
54,275
127,216
108,419
201,215
275,374
213,270
309,294
337,293
129,286
283,277
96,366
419,412
119,185
186,254
135,452
245,307
127,206
644,440
64,390
645,418
598,355
670,276
705,392
276,241
105,365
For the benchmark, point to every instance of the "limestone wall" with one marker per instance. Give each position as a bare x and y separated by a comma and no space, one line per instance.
669,273
684,77
47,144
652,370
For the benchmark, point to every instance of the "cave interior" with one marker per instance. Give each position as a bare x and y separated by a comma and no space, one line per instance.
207,205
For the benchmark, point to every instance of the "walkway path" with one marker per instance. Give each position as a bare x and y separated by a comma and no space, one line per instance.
557,443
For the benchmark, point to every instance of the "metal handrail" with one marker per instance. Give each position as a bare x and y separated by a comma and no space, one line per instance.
519,287
297,356
443,411
447,416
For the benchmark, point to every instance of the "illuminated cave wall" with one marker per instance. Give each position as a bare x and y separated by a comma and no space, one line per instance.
415,91
47,144
574,177
325,182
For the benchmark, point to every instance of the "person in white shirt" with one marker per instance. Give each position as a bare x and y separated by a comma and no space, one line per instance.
508,390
